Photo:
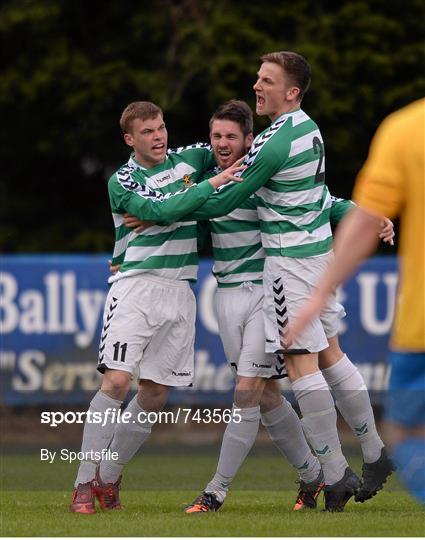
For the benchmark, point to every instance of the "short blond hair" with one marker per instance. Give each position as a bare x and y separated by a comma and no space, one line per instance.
138,109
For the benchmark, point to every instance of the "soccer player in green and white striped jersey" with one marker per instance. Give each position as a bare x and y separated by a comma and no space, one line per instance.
294,208
149,314
238,268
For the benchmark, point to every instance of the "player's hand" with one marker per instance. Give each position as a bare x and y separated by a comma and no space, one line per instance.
113,268
229,174
132,222
387,232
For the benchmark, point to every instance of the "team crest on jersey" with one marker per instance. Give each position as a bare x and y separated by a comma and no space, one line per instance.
187,181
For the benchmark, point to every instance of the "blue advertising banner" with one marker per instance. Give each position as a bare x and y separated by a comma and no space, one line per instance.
51,311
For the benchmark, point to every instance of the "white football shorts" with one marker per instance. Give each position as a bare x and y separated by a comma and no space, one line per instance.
241,327
149,329
288,282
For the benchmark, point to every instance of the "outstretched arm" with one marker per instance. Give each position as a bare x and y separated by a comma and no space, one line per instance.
341,207
128,195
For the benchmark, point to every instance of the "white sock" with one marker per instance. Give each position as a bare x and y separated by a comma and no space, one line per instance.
285,430
238,440
353,402
96,436
128,438
319,424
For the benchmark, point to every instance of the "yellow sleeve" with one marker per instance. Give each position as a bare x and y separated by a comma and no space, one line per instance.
380,185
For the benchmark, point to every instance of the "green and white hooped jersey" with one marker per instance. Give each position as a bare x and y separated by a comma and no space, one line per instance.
294,204
237,249
236,239
164,193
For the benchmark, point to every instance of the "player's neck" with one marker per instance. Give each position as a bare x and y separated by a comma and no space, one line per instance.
146,163
286,109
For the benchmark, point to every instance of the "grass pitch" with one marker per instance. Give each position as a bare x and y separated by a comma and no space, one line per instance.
157,485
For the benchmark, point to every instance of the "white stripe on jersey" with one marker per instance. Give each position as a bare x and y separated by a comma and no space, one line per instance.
269,215
300,172
265,214
229,266
185,272
299,117
240,214
235,239
121,245
172,247
118,219
169,176
291,198
295,238
304,143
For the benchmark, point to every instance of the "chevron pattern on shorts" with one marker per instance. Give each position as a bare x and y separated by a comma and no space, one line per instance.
281,368
280,309
106,325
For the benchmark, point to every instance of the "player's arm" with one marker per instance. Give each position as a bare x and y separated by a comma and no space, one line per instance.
199,155
265,165
127,195
341,207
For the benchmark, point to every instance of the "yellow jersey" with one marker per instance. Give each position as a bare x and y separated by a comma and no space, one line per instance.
391,183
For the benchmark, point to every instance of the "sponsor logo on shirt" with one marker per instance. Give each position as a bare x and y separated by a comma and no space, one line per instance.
163,178
187,181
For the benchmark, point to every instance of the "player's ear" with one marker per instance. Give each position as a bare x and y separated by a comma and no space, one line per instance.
292,94
128,139
248,140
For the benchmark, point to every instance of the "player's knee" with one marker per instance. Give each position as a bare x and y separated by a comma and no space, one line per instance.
300,365
331,355
272,396
248,391
152,396
116,384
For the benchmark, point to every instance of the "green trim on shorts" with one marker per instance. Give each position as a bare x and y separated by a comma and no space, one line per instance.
238,284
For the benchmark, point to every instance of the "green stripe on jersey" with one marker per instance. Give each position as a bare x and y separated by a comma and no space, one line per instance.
179,267
222,285
301,252
236,253
184,232
286,226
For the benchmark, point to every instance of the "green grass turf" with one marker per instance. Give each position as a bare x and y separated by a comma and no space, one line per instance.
35,499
